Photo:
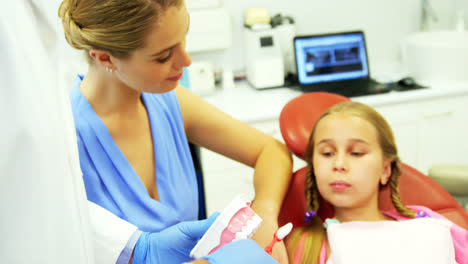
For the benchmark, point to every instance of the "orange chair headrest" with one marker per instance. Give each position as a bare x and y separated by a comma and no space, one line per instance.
299,115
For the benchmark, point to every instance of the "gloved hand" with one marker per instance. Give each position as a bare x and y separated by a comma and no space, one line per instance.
172,245
242,251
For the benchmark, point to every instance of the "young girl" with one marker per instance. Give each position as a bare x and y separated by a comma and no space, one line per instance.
350,155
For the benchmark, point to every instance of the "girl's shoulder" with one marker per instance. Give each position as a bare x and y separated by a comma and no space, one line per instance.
420,210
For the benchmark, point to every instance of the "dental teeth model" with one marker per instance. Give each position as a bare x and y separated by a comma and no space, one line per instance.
237,221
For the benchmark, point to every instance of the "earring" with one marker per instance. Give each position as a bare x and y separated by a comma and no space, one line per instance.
111,70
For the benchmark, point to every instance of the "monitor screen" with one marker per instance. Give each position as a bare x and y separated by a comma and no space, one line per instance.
328,58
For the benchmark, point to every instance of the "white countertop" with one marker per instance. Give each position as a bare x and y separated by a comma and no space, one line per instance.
248,104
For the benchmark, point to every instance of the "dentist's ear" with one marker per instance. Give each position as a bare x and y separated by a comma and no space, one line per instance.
387,172
102,58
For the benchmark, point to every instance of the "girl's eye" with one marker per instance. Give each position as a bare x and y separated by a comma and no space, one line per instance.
164,59
357,154
327,154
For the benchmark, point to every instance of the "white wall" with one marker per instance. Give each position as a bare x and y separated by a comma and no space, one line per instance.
446,12
385,23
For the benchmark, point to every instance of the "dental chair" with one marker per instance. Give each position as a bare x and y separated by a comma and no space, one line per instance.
296,122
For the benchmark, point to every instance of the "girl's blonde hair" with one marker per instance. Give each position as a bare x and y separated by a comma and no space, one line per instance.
117,26
315,231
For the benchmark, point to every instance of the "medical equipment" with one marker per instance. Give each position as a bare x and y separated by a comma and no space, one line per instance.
279,236
256,15
201,77
237,221
264,60
286,29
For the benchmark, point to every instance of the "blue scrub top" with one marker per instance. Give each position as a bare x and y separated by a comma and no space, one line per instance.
112,183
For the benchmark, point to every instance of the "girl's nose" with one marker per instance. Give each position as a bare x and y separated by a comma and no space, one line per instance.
340,163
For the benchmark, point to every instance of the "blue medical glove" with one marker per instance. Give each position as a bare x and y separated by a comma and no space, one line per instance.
172,245
242,251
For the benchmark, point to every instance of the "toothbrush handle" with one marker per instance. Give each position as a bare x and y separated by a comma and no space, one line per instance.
269,248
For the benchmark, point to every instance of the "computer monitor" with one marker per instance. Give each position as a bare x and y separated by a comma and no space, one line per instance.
331,57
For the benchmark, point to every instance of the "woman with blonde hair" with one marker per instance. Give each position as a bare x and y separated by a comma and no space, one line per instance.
351,155
134,122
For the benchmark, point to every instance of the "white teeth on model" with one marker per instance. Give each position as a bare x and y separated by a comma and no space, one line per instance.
247,230
256,219
249,227
240,235
253,223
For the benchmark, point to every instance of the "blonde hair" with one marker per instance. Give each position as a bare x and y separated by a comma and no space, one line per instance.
315,231
117,26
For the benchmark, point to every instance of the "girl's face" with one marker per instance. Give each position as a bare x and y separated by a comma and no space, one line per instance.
158,66
348,162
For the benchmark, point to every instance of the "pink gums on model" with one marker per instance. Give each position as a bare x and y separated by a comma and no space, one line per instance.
235,225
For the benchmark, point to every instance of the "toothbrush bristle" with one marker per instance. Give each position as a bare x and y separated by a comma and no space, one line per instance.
284,231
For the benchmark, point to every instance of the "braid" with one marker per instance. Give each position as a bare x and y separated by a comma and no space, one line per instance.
395,191
311,189
313,231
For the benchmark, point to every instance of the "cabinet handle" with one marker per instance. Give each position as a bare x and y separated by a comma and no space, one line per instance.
436,115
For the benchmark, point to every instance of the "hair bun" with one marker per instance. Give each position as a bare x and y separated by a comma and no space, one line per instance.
72,30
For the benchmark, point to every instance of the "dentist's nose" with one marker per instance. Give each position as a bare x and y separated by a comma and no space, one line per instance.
340,163
183,58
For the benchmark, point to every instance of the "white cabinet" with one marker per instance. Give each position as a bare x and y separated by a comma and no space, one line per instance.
430,131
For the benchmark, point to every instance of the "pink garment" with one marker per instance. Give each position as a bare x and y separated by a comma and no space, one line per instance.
459,237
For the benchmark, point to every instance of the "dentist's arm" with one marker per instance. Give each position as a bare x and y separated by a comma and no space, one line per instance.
209,127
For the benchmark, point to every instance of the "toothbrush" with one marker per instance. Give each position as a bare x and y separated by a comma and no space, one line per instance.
279,235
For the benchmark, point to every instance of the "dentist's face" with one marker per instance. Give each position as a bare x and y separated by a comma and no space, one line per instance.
158,66
348,161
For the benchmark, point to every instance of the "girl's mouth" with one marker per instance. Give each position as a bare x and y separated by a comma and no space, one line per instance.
340,185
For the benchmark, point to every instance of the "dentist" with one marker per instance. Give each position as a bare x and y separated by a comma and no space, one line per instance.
134,121
46,217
